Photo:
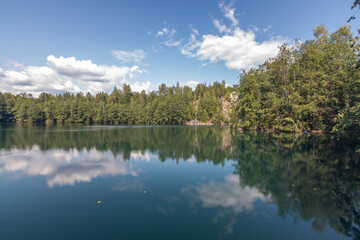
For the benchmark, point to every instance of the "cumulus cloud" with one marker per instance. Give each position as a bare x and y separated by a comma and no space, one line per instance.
190,83
83,69
2,72
67,74
125,57
138,87
237,48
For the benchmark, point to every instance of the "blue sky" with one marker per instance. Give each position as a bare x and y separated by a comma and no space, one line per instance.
59,46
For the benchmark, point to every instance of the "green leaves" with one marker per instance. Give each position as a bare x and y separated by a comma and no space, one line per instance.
170,106
304,87
348,119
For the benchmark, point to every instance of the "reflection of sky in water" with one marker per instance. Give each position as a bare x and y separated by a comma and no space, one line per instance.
73,166
228,197
227,194
67,167
70,167
144,193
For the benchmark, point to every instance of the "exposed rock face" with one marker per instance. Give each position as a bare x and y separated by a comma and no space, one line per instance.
226,108
233,96
198,123
226,103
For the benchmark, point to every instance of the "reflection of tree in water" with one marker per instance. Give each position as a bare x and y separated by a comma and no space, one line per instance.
203,143
311,177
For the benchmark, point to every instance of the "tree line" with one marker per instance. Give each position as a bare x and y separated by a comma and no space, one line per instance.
168,106
311,85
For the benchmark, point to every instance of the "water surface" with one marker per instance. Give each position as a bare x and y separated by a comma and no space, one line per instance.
81,182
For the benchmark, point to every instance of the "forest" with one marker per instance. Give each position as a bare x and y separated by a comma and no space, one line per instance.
309,86
168,106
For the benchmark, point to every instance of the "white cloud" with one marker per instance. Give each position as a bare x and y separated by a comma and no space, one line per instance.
125,57
221,27
167,36
172,43
229,13
160,33
194,30
138,87
83,69
191,46
166,32
254,29
238,48
267,28
12,63
190,83
67,74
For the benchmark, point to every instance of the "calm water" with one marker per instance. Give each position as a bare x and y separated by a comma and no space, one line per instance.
77,182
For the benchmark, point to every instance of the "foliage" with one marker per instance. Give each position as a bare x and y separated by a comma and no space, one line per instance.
304,87
348,119
169,106
355,5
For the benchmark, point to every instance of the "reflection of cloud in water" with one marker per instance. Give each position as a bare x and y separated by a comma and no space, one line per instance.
192,159
138,155
228,194
126,185
64,167
169,205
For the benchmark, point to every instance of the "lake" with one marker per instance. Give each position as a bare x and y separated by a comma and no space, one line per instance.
98,182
